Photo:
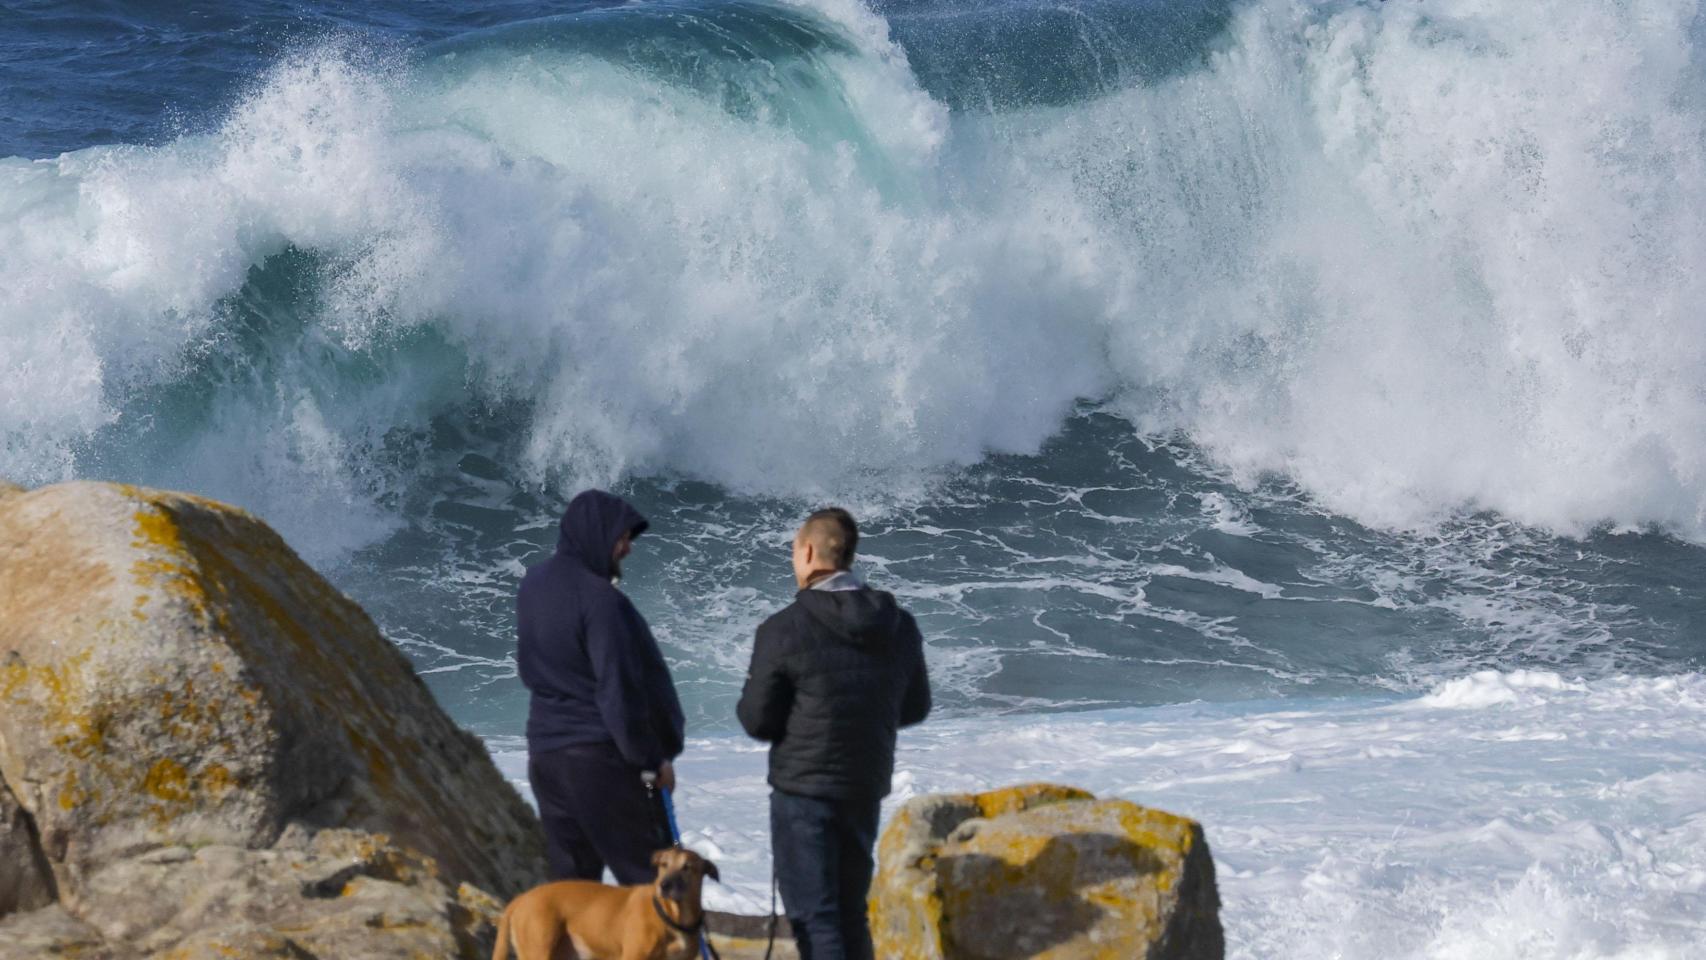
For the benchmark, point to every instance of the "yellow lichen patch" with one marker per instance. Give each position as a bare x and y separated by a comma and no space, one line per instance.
167,565
216,779
13,675
167,780
995,803
71,794
480,904
156,527
56,691
175,787
56,682
1161,831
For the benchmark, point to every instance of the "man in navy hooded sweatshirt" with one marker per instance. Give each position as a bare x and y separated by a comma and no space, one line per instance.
604,710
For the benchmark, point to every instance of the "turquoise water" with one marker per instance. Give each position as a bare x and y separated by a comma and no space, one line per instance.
1326,375
1162,355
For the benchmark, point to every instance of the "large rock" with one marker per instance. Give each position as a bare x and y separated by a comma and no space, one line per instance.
25,881
50,932
213,750
1043,871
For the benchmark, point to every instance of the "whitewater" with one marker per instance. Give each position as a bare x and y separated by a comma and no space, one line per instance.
1404,829
1287,413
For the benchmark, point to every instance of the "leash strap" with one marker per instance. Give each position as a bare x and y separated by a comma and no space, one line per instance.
774,916
669,814
706,951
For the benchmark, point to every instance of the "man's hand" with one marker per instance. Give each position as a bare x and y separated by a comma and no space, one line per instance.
666,776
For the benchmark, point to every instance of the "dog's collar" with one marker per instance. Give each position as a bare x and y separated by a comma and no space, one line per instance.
677,926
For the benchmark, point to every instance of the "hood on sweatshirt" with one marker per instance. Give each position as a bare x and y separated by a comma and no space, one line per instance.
862,617
592,524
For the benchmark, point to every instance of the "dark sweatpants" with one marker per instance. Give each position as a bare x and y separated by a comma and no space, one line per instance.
822,850
596,813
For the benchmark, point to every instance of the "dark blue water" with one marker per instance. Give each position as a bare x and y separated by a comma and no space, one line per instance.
1287,414
1148,391
77,75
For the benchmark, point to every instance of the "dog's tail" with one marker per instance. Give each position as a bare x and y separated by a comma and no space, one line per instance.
500,951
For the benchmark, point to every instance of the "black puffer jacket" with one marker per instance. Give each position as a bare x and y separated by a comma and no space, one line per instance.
834,675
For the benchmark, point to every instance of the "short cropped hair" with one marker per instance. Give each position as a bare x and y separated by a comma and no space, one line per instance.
834,534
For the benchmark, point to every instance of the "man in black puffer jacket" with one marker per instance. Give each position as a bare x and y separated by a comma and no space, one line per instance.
603,709
834,675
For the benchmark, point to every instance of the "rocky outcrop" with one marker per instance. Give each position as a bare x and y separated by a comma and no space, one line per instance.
207,750
1043,871
25,881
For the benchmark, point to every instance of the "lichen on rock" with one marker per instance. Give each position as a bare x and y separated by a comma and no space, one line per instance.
186,709
1046,872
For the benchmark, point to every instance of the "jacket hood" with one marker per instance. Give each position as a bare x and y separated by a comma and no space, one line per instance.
862,617
592,524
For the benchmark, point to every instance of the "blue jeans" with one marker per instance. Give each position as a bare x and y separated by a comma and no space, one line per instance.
823,855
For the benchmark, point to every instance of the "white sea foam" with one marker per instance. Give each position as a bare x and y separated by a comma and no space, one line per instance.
1353,829
1420,258
1491,687
1223,575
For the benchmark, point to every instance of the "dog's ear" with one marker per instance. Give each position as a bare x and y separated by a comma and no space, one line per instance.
711,871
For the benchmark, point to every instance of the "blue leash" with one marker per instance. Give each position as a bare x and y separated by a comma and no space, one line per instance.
705,951
669,811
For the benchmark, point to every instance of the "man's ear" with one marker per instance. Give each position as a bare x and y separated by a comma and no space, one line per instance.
711,871
659,857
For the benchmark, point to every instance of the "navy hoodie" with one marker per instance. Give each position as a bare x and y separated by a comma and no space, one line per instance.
585,653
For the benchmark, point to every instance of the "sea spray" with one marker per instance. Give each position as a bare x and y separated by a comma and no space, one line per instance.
1284,412
1388,251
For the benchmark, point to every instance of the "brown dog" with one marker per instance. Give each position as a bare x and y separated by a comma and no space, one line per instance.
583,920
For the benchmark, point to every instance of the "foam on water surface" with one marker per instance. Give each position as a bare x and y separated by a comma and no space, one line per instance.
1241,355
1512,815
1098,573
1390,251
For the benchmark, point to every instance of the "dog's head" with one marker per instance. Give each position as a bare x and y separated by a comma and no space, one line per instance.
681,873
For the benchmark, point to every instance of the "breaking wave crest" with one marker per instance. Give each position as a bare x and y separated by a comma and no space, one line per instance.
1420,259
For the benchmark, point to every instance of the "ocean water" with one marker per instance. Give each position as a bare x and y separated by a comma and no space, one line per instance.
1288,413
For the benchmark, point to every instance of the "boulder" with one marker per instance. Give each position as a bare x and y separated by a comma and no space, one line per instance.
1043,871
210,749
25,881
50,932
